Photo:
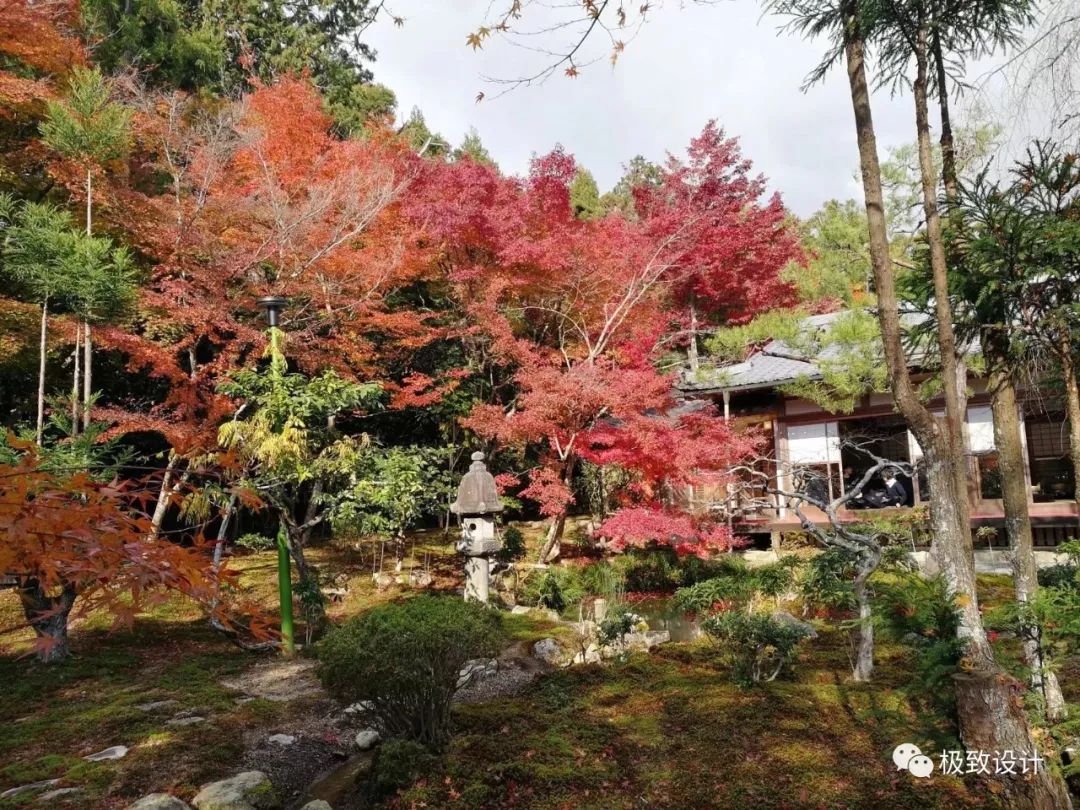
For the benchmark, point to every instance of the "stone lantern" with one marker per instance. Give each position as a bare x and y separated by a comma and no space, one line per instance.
477,504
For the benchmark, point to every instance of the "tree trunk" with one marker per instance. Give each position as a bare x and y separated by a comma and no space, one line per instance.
48,616
950,372
1072,409
949,174
87,382
990,718
1014,497
162,505
41,371
552,542
223,531
75,401
864,661
691,351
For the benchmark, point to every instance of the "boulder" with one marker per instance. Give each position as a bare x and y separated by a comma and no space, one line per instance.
318,804
785,618
367,739
520,610
420,579
115,752
159,801
281,739
250,790
549,651
383,581
361,707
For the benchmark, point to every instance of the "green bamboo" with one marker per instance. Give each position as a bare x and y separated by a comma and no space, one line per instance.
285,593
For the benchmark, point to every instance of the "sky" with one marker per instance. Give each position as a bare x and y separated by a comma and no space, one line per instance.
688,64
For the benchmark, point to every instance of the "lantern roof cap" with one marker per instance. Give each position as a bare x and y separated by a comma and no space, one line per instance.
477,493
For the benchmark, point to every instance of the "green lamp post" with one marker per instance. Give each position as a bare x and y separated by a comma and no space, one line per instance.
273,304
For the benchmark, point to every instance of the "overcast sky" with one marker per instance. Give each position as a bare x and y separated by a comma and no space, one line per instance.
686,66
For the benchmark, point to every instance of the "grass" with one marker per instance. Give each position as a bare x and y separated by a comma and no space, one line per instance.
666,730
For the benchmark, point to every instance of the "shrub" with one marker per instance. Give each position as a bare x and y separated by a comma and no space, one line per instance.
555,588
256,542
617,623
826,583
513,547
736,583
398,762
920,613
1062,575
756,645
405,659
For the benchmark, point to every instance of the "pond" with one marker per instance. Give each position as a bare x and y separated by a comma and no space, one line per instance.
661,614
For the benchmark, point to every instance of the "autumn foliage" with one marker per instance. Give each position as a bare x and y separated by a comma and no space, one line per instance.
74,545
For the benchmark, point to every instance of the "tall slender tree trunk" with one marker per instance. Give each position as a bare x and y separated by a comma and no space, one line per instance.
41,371
692,349
1014,497
990,719
48,615
87,348
950,370
75,395
87,382
1072,408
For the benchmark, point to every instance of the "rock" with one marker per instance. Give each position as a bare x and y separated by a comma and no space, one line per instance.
194,720
785,618
159,801
15,791
250,790
477,669
336,594
115,752
59,793
155,705
281,739
383,581
420,579
549,651
318,804
520,610
367,739
363,707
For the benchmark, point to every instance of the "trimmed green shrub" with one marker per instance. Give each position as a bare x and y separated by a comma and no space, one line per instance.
398,763
513,547
756,645
256,542
405,659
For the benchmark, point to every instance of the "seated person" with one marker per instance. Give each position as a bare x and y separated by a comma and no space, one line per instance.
896,493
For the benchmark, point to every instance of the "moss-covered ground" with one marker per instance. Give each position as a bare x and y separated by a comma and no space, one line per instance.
667,730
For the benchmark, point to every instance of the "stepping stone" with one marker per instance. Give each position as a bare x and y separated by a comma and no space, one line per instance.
282,739
248,790
15,791
115,752
57,794
155,705
185,721
159,801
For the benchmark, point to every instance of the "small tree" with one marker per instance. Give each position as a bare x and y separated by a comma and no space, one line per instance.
295,456
89,128
58,266
68,537
405,659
